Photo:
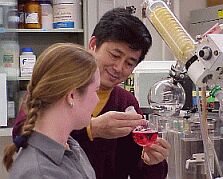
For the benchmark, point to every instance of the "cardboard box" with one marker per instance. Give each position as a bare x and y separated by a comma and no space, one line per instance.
214,2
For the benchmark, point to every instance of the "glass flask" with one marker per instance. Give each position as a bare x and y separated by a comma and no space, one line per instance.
144,135
171,30
147,134
166,97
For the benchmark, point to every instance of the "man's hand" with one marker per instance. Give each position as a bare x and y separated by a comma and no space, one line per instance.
114,124
157,152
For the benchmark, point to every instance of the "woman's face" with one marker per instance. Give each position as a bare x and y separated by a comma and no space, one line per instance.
85,103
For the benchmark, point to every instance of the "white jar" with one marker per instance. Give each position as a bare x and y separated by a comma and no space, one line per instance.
67,14
63,14
9,57
27,61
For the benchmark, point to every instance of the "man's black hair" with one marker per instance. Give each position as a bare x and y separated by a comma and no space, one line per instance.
120,25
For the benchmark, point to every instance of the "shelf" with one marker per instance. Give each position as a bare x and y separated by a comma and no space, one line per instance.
9,78
4,132
6,3
24,78
68,30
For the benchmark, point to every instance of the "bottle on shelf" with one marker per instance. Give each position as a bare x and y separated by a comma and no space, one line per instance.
78,6
47,14
13,18
12,98
63,14
67,14
33,14
9,56
21,14
1,17
27,62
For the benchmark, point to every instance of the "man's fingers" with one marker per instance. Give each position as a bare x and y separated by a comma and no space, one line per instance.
129,123
163,143
121,132
155,157
125,116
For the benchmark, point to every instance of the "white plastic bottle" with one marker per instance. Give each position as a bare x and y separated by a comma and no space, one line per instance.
47,14
27,62
78,14
63,14
131,109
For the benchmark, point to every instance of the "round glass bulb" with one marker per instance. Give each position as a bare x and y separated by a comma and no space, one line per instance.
166,98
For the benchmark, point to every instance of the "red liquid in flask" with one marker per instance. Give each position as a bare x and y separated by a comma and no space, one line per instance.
144,137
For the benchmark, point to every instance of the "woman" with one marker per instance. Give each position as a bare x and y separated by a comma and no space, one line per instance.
61,98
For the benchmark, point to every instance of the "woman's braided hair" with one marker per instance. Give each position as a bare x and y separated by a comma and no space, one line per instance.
59,69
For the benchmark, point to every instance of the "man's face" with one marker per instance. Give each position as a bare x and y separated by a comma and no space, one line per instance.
116,61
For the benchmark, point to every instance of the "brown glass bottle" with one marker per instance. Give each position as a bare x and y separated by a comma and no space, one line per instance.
33,15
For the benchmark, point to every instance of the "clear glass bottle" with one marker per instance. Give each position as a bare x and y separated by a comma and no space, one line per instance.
171,30
13,18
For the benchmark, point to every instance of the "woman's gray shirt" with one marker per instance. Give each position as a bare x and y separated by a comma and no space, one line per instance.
44,158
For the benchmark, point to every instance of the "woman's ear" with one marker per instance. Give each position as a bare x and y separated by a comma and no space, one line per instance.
70,97
92,43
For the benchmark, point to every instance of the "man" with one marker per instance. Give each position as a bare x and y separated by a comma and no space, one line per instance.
119,42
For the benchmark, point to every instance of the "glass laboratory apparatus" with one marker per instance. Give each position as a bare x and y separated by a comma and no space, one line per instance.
144,135
166,97
169,28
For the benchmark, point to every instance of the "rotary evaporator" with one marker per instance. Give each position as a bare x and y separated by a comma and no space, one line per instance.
202,61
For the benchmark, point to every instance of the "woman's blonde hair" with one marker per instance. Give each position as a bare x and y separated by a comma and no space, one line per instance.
59,69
